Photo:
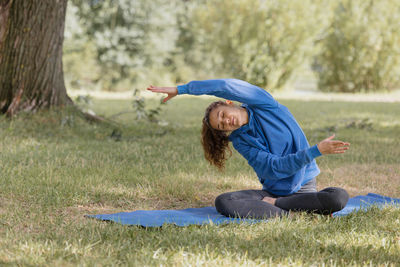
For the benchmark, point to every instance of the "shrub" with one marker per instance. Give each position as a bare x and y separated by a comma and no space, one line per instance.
262,42
360,51
121,42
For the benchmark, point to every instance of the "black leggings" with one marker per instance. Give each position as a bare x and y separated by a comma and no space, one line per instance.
249,203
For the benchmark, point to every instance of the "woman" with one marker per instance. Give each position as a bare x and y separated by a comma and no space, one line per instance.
266,134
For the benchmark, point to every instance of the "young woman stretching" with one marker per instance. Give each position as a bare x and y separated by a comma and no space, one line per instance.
267,135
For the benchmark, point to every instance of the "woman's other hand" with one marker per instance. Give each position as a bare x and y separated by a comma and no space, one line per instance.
170,91
329,146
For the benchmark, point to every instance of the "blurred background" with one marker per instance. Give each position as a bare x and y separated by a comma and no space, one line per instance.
348,46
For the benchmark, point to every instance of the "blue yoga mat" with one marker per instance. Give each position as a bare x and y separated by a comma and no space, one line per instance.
209,215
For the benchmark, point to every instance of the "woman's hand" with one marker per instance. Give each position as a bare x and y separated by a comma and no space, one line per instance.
170,91
329,146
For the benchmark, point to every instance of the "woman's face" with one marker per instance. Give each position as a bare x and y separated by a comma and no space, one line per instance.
226,117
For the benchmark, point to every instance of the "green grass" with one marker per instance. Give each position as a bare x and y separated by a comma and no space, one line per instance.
55,168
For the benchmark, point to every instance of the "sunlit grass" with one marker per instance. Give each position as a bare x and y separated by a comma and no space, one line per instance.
55,168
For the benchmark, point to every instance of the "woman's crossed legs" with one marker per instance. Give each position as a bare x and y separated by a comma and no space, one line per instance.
250,204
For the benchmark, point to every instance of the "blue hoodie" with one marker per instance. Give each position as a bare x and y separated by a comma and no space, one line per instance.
272,141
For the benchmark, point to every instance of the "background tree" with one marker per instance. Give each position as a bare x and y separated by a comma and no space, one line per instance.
128,42
262,42
120,44
360,49
31,70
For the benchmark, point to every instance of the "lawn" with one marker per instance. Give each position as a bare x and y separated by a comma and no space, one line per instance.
56,167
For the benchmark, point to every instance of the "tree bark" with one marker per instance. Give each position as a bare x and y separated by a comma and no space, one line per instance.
31,71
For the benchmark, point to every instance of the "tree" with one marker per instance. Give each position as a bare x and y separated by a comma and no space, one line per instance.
360,49
31,39
129,43
262,42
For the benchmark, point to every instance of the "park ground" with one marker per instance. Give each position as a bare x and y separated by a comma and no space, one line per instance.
55,167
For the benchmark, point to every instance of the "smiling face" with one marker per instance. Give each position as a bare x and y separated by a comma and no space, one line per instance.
228,117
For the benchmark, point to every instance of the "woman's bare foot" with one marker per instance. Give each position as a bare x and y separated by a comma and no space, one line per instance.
269,200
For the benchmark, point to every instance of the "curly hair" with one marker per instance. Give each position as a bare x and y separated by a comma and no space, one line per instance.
215,142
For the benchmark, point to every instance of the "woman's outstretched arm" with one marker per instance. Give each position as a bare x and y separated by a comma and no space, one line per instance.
270,166
231,89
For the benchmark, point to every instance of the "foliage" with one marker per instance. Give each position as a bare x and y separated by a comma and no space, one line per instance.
120,44
81,70
360,50
262,42
84,103
139,105
142,110
127,38
135,42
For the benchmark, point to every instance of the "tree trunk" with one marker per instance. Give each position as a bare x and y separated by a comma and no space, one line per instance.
31,71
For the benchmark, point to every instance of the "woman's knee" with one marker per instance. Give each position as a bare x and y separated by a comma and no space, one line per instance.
335,198
225,198
222,201
231,202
